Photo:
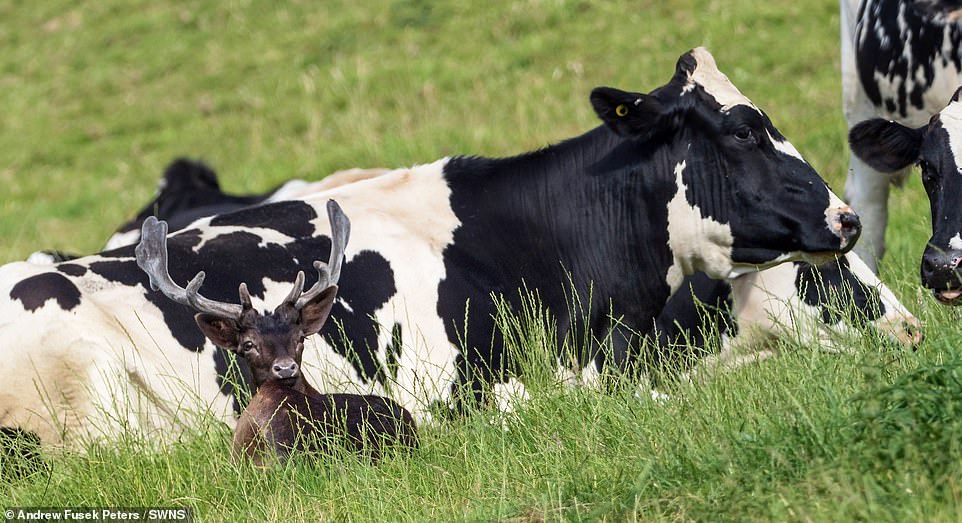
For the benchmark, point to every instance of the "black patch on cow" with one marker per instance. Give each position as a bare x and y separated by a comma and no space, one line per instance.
838,293
565,254
354,335
122,272
695,316
296,221
178,318
234,378
392,352
883,29
72,269
34,291
20,454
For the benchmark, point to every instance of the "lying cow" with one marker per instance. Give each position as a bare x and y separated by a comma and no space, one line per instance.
815,306
901,61
786,301
690,177
189,190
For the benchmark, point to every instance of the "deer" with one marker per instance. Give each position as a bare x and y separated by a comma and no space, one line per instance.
285,415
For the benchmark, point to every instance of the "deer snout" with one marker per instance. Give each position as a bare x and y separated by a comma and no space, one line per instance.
285,368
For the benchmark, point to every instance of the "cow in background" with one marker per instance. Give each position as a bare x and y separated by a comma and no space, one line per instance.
901,61
189,190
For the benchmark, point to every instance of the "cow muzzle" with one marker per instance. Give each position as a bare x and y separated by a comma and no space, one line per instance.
844,223
940,272
905,331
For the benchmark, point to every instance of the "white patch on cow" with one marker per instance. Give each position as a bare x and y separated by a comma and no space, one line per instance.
344,304
122,239
382,220
955,243
508,395
300,189
41,258
289,190
951,119
696,243
836,207
784,146
715,83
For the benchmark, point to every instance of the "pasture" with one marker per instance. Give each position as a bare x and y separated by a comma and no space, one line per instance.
98,98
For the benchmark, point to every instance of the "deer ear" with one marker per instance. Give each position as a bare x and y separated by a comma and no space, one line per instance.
224,332
315,312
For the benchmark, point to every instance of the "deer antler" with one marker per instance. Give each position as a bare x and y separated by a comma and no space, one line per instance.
152,258
328,274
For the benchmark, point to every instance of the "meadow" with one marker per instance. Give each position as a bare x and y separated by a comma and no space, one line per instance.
98,97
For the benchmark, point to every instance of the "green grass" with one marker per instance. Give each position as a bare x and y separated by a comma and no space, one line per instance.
98,97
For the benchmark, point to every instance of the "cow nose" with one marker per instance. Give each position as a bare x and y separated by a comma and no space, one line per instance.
845,224
939,269
286,368
850,224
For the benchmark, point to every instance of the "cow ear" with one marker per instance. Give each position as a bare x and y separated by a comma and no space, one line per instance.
223,332
315,312
628,114
885,145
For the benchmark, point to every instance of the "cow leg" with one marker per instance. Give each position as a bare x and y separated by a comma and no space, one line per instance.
867,191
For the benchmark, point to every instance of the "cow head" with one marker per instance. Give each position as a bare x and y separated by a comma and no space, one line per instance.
743,196
889,146
186,185
271,343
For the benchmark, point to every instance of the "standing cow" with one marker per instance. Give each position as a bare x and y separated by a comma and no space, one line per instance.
690,177
937,148
901,60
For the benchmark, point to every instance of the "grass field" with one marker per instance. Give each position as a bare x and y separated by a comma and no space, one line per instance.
98,97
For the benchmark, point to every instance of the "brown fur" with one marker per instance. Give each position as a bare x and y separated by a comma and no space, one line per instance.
281,420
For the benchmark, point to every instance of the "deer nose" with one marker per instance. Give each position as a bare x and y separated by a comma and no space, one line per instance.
285,368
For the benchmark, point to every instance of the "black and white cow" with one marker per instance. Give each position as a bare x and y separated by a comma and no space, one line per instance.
815,306
189,190
901,60
796,301
690,177
937,148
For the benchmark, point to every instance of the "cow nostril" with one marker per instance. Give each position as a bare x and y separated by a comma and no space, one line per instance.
849,222
928,266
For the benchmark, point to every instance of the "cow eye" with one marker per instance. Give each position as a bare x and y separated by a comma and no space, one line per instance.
247,346
745,134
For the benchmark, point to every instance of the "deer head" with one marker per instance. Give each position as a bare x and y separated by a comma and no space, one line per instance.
271,343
